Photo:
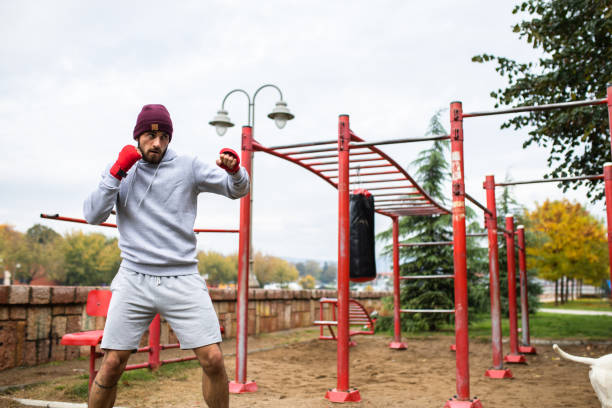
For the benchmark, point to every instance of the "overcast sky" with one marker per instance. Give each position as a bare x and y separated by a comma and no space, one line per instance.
73,77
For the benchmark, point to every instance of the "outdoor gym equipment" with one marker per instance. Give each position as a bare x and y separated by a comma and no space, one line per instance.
358,316
396,194
458,192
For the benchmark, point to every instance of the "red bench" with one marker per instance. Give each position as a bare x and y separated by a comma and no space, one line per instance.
358,316
97,305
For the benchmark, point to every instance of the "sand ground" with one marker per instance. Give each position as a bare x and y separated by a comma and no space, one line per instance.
293,369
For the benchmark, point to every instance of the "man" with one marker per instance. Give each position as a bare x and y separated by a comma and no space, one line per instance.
156,205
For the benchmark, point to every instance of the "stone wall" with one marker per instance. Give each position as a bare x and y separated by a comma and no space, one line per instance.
34,318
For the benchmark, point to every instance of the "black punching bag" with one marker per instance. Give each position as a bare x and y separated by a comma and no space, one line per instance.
363,263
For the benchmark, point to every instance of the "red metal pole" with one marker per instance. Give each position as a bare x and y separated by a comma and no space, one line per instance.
92,365
397,343
526,348
609,95
342,393
498,370
240,384
154,348
514,356
462,399
608,188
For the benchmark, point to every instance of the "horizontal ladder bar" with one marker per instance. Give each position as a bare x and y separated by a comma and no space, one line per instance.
323,142
414,277
427,310
536,108
394,141
376,173
552,180
416,244
378,181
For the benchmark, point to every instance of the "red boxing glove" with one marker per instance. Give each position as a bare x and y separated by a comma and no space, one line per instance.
127,157
233,154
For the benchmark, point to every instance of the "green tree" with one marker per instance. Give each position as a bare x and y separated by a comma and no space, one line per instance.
45,248
329,273
432,172
217,267
14,254
575,40
91,259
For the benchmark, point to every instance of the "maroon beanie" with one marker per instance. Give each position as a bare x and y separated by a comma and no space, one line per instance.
153,117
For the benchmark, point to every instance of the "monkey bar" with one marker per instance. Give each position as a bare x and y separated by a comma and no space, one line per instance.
340,166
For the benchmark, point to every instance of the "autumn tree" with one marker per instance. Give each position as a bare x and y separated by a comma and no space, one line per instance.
271,269
574,38
307,282
568,242
217,267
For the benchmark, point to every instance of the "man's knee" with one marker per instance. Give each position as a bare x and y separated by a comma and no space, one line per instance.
211,359
114,362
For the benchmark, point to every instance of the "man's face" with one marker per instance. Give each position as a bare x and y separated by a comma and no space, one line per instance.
153,145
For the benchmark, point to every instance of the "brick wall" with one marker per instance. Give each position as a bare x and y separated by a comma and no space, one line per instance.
34,318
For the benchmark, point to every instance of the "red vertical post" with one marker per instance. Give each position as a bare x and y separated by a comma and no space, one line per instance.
154,347
342,392
610,111
240,384
92,365
514,356
526,348
498,370
462,399
608,187
397,343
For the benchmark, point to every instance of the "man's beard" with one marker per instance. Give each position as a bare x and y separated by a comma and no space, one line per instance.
153,159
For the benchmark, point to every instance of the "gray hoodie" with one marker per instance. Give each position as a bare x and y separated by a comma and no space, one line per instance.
156,208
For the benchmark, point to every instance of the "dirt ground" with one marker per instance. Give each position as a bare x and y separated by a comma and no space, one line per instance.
293,369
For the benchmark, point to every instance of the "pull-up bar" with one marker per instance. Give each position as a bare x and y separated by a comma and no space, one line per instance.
108,224
394,141
419,244
552,180
323,142
535,108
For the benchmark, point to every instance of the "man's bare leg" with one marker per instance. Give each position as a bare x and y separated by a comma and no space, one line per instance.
104,389
214,378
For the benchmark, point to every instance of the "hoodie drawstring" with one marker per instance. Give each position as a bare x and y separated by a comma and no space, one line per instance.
150,184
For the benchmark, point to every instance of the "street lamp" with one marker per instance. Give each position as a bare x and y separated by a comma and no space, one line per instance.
280,114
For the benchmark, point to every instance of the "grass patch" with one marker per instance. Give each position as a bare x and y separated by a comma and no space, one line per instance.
601,305
175,370
542,325
552,326
80,390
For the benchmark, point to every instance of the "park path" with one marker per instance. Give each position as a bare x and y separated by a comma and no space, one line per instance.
576,312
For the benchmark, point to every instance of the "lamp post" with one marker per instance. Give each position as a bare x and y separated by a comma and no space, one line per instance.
280,114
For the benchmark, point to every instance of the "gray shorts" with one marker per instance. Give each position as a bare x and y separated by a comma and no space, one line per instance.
182,300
